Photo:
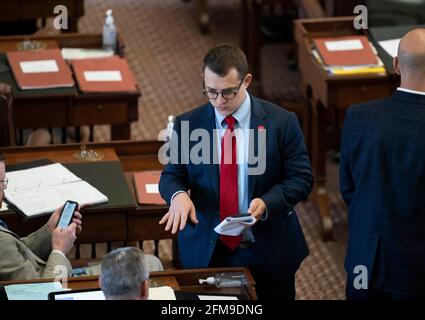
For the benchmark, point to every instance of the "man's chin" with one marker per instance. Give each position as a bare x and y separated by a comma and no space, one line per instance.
223,110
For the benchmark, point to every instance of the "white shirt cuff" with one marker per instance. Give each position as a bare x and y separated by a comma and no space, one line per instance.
176,193
60,252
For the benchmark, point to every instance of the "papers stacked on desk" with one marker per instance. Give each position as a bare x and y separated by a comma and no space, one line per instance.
348,55
42,190
390,46
32,291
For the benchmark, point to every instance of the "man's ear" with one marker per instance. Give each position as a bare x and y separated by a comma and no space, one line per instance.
144,290
396,65
247,80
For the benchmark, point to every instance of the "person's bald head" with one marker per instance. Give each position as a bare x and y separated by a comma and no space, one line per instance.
410,62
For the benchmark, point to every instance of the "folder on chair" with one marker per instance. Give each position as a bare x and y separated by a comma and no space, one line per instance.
146,185
40,69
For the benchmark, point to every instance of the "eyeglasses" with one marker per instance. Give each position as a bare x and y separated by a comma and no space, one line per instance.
4,183
227,94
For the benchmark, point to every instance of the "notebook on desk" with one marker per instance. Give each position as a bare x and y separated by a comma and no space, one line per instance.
346,51
40,69
111,74
6,76
146,185
41,190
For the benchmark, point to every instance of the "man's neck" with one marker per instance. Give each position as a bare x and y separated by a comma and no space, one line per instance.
412,85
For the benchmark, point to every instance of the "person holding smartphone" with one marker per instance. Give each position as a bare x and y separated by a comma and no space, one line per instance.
23,258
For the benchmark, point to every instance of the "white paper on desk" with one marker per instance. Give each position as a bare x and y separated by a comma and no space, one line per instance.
234,226
152,188
107,75
39,66
390,46
344,45
162,293
32,291
80,53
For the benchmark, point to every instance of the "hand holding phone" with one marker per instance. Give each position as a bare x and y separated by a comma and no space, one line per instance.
67,214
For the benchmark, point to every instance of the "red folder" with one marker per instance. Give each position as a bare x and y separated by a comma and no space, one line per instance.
111,74
145,183
349,57
40,69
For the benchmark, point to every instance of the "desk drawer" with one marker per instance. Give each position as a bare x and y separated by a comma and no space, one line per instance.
101,112
48,113
343,95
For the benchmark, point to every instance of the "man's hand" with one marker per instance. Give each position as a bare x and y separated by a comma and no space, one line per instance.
54,218
257,208
63,239
181,207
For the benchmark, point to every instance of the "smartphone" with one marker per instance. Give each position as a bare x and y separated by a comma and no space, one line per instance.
67,214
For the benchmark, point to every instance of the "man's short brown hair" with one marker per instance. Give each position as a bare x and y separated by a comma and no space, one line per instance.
223,57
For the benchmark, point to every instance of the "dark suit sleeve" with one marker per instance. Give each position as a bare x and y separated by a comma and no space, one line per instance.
174,177
297,181
346,183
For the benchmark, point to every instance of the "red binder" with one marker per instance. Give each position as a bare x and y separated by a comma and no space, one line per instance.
354,55
110,74
40,69
146,185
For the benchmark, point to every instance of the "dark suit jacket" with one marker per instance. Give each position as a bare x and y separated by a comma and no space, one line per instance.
382,180
286,180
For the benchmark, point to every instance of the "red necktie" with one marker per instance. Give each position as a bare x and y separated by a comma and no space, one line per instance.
229,180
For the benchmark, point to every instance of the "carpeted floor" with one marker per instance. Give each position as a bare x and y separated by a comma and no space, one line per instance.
165,50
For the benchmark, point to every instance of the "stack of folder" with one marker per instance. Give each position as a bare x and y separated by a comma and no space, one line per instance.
348,55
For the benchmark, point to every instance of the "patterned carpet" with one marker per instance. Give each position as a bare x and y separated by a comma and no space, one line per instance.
165,50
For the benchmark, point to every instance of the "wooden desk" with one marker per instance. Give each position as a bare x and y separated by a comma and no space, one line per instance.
64,107
137,223
15,10
329,97
180,280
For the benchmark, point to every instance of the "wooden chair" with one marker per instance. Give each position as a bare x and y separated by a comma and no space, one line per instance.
7,130
7,127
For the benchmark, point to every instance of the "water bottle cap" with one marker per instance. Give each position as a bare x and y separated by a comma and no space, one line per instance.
109,18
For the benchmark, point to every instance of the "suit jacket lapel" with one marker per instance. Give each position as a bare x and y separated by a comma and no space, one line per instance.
208,123
258,116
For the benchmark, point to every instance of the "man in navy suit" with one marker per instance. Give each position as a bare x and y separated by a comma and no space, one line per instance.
203,193
382,180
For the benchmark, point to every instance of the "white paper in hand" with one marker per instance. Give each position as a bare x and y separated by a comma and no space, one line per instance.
233,226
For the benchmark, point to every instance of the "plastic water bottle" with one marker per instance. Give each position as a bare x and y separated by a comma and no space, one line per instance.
226,280
109,32
165,134
170,126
